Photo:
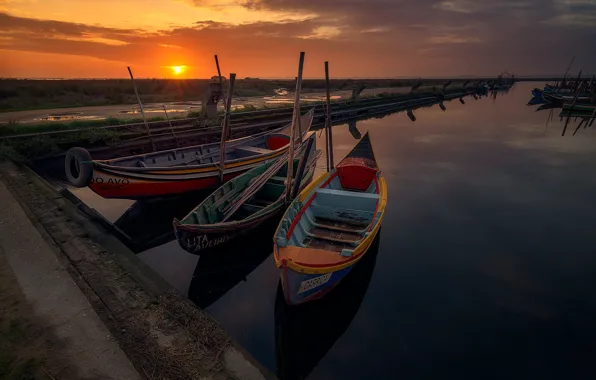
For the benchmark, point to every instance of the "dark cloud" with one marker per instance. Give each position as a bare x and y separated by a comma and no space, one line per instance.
383,38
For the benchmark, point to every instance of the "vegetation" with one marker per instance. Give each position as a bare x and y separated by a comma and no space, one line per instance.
22,94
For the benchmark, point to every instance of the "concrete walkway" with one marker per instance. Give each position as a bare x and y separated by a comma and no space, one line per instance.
56,298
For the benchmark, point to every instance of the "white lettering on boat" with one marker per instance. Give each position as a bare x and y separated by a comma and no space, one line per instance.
111,181
201,242
313,283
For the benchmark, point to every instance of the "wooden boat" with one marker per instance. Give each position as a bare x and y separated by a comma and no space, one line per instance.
176,171
562,99
296,328
579,107
204,228
330,226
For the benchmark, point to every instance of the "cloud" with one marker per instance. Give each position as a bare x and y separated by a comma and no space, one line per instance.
453,39
366,38
323,32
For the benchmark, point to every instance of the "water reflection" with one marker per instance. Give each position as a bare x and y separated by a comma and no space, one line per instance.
353,130
486,258
224,267
147,224
305,333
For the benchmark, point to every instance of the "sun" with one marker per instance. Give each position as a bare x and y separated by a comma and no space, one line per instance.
177,70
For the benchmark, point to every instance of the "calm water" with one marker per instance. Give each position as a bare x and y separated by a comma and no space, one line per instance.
485,266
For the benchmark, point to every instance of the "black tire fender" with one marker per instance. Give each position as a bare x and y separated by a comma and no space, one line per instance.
78,166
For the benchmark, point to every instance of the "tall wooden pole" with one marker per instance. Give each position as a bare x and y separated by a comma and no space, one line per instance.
328,132
567,71
295,120
170,123
224,129
220,80
141,108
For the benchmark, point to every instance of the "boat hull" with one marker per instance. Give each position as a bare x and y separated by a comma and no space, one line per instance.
537,93
579,107
110,183
200,239
300,287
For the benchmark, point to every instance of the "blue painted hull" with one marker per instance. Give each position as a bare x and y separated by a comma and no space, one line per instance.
296,285
537,93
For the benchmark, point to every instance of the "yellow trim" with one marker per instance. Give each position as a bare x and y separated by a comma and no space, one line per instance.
360,250
305,194
207,169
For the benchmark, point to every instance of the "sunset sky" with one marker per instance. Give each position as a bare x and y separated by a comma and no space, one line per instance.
263,38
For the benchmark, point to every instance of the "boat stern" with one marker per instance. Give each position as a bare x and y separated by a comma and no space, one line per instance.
300,287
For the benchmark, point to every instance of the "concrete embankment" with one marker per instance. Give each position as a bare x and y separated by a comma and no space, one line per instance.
120,307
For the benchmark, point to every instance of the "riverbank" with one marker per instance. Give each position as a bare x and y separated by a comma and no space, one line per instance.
26,94
161,332
24,143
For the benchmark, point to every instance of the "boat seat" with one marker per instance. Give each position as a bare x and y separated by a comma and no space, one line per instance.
346,199
253,149
142,164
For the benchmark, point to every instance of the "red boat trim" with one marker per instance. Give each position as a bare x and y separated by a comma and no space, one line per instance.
299,216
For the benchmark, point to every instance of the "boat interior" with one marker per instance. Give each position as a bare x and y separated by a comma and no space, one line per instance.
337,216
213,209
206,154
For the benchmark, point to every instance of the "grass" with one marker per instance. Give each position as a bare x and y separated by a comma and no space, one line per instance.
12,129
23,94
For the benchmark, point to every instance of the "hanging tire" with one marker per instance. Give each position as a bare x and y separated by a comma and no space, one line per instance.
78,166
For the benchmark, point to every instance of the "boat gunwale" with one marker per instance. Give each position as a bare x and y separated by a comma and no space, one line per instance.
110,163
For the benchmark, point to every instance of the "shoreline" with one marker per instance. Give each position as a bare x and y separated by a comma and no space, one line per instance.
147,318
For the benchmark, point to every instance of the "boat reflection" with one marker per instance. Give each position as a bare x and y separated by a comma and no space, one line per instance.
305,333
147,224
354,130
223,267
547,106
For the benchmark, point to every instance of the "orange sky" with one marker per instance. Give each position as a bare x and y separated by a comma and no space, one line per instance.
368,38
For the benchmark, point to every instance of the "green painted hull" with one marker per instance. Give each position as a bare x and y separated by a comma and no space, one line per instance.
203,229
579,107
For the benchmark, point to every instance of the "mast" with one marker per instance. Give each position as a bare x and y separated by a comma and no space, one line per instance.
295,120
134,84
224,128
328,133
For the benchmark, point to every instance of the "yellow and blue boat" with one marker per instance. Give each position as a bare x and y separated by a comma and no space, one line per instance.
330,226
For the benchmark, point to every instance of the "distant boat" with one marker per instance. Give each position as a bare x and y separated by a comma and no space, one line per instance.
281,91
561,99
537,93
175,171
205,228
330,226
579,107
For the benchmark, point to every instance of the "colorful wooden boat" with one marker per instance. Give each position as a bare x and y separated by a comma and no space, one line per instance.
204,228
296,328
579,107
330,226
176,171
